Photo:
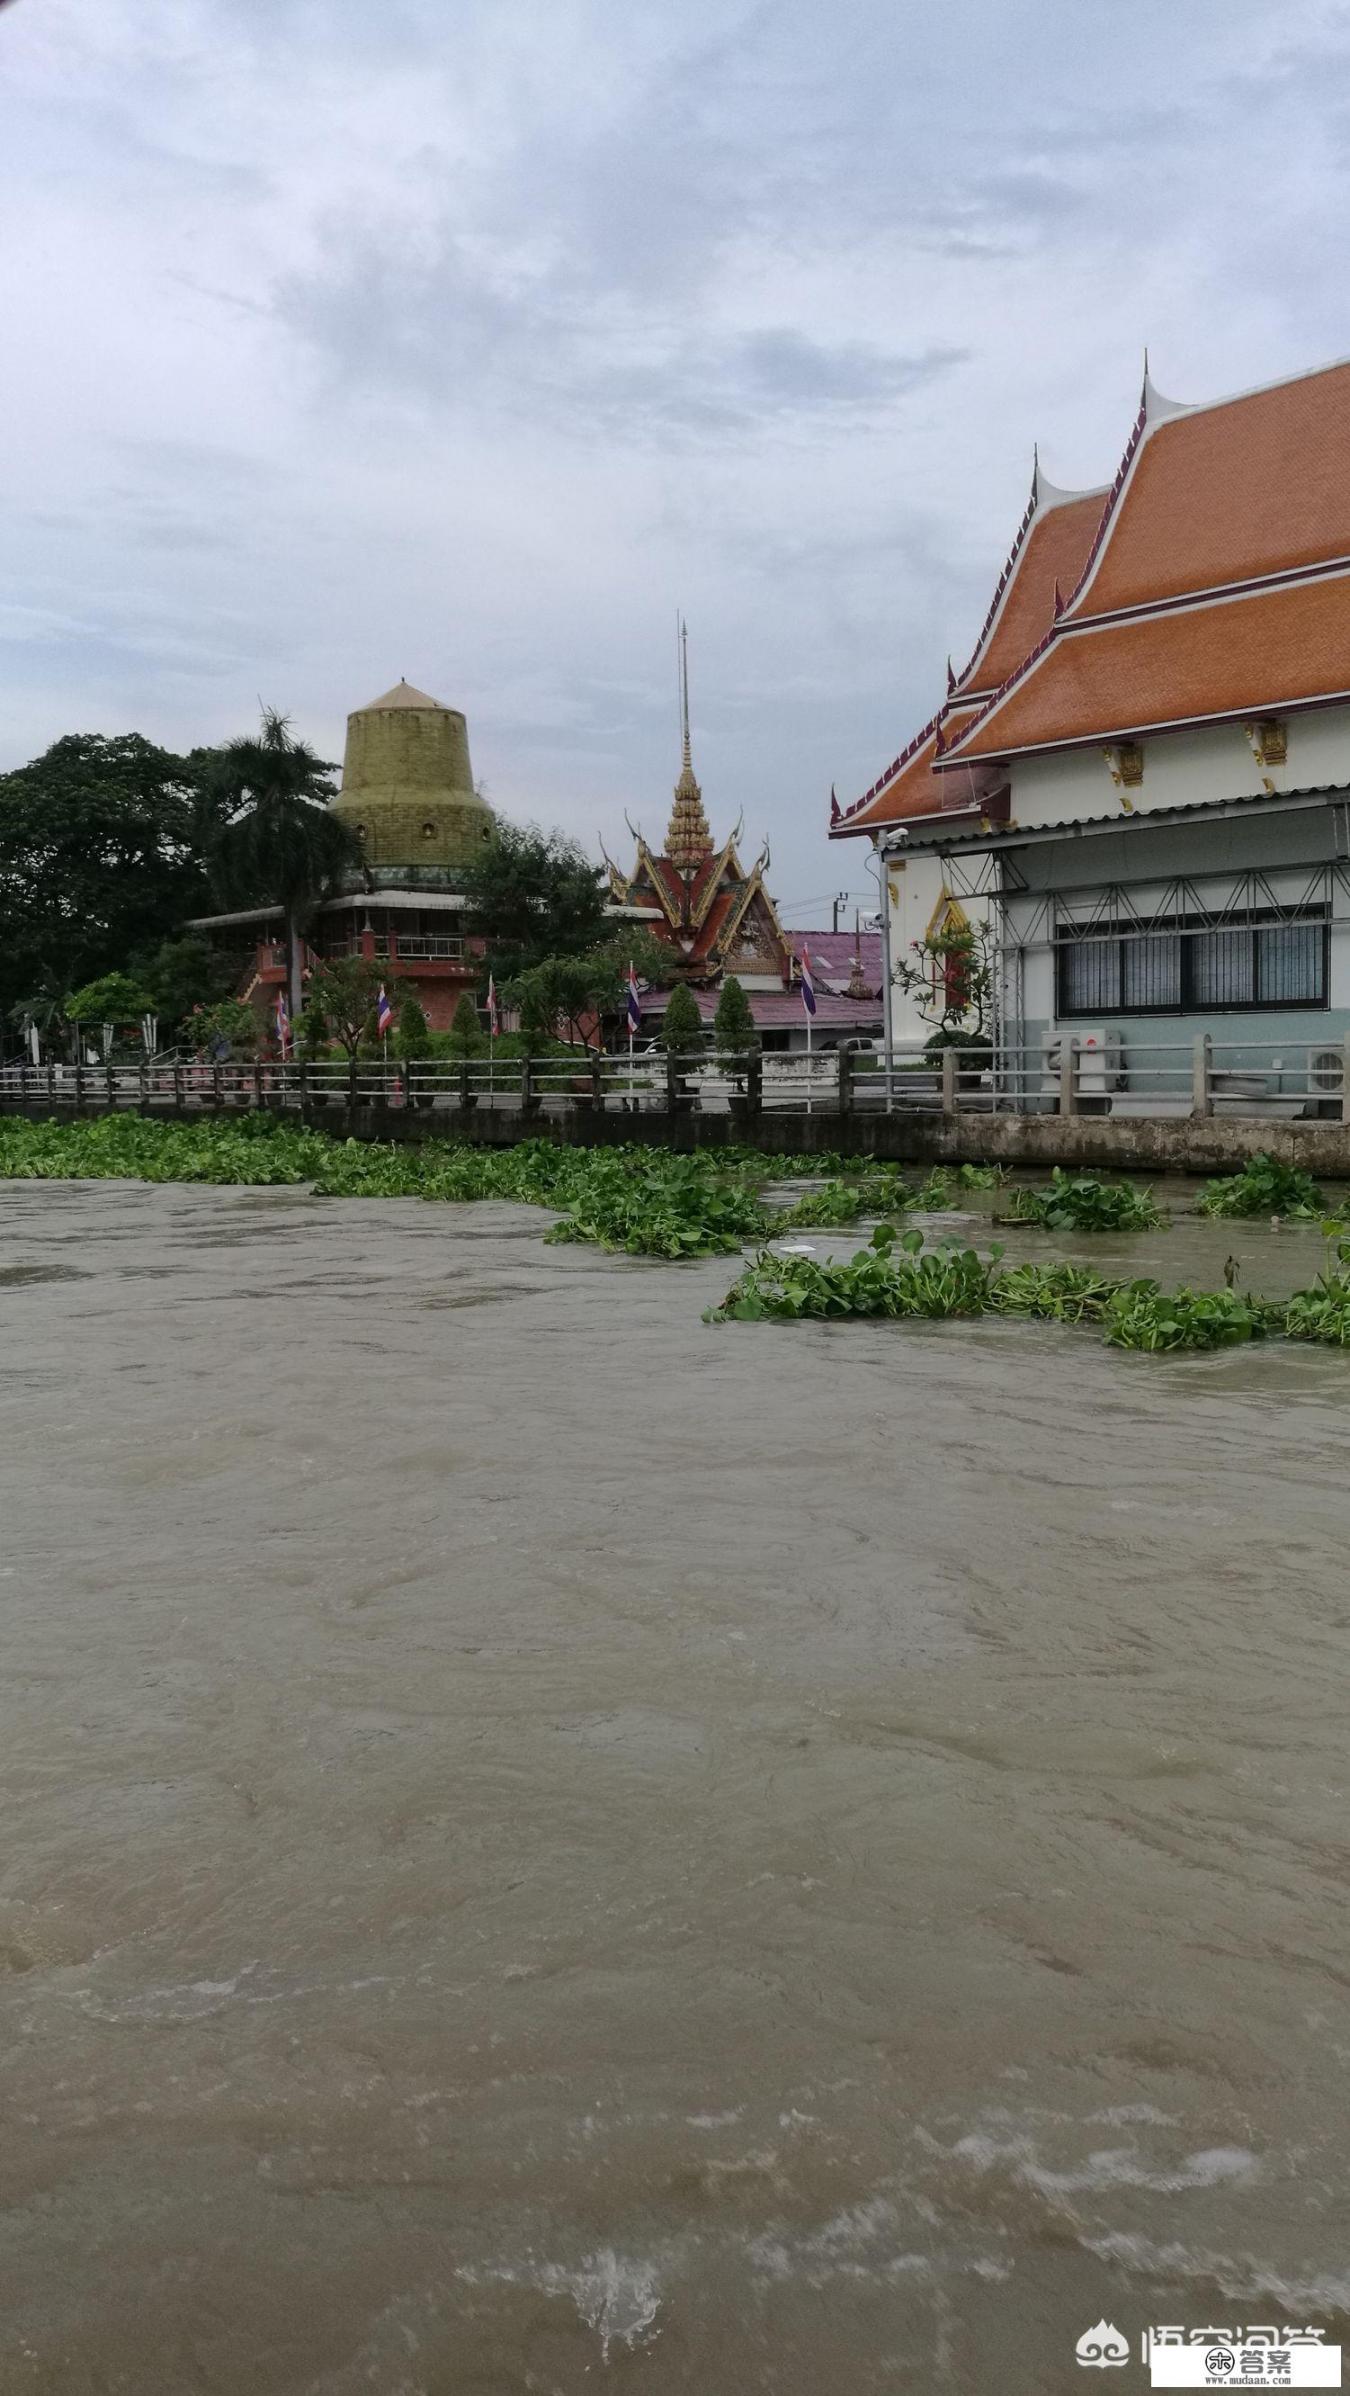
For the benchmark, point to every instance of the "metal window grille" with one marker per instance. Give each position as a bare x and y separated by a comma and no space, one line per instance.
1291,965
1150,974
1106,969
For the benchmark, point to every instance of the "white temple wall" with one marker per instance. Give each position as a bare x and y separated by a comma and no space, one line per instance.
1181,769
918,887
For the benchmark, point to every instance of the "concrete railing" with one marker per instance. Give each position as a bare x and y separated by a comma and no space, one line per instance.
1065,1075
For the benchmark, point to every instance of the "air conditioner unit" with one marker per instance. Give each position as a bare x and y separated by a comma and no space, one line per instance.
1326,1069
1100,1061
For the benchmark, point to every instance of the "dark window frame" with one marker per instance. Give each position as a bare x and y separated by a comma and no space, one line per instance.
1187,929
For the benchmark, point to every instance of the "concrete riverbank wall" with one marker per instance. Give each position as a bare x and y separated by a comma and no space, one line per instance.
1162,1144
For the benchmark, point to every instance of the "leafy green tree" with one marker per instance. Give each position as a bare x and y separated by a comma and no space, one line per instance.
311,1029
228,1025
44,1009
558,990
99,853
533,895
467,1037
411,1039
346,991
179,975
681,1025
114,998
949,976
274,838
734,1024
583,991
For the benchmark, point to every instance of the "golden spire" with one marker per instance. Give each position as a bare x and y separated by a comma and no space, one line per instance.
688,840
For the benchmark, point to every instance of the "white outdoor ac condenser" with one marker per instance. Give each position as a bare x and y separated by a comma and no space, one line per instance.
1100,1061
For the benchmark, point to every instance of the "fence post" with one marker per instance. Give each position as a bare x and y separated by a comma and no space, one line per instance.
79,1077
178,1085
217,1092
597,1081
1202,1097
529,1103
1068,1075
845,1080
109,1089
144,1084
257,1082
754,1083
672,1082
51,1083
949,1081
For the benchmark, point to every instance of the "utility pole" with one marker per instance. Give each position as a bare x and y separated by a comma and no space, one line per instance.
839,900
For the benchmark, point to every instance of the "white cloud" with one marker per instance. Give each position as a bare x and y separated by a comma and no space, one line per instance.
468,341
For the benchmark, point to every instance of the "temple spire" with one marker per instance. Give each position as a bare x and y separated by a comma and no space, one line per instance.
688,839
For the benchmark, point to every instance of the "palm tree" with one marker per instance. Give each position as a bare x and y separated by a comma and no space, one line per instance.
274,836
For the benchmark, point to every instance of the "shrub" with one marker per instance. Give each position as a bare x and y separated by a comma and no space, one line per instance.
311,1031
681,1025
466,1038
412,1039
1263,1187
733,1024
230,1026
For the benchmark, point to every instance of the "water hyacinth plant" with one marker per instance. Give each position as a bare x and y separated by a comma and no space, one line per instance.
1263,1187
1143,1316
1078,1202
1057,1293
891,1277
1322,1313
841,1202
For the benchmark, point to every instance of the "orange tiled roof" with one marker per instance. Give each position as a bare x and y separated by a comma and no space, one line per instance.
1250,655
1229,492
1051,548
913,788
1055,551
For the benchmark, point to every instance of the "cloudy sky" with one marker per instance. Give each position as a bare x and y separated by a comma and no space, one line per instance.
467,339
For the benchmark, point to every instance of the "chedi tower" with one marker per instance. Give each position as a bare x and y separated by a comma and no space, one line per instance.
407,785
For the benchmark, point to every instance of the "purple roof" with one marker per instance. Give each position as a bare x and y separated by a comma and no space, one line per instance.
782,1010
832,954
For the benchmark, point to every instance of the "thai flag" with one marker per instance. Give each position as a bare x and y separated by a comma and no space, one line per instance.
384,1013
494,1019
634,1005
283,1024
808,986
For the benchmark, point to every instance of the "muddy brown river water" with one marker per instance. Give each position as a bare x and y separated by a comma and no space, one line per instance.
547,1846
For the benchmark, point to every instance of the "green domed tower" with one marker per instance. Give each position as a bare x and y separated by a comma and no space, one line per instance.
407,784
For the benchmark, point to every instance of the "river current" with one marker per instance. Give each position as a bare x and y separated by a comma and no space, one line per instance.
547,1845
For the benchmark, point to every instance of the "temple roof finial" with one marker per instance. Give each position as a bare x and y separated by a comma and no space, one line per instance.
688,839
